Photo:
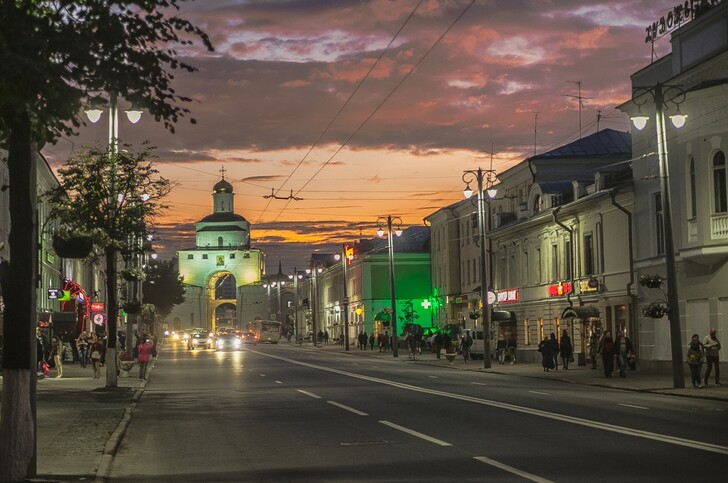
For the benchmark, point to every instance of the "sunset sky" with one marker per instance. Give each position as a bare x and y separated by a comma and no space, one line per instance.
287,103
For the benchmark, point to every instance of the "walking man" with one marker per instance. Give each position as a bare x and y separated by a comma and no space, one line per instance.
712,346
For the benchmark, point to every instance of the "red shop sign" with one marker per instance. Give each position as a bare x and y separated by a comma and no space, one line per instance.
559,290
97,307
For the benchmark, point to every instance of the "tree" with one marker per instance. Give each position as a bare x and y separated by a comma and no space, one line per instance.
56,56
163,287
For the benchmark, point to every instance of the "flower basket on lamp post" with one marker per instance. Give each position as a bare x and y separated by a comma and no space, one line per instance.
134,274
72,246
651,281
132,307
655,310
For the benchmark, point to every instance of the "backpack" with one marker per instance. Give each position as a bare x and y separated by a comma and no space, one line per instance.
693,355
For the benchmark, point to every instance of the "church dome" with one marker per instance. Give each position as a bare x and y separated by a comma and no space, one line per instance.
222,186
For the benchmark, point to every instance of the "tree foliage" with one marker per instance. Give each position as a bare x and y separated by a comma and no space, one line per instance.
163,286
57,55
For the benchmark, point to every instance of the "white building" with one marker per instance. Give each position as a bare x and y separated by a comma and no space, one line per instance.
221,274
693,79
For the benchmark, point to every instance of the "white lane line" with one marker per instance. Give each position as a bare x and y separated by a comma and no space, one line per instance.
632,406
415,433
261,375
608,427
478,383
342,406
279,382
433,377
309,394
538,392
511,469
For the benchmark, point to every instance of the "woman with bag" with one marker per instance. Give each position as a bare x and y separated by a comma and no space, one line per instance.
96,349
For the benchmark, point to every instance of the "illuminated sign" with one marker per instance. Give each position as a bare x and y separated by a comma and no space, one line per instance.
97,307
559,290
591,285
425,304
508,295
54,293
679,14
349,253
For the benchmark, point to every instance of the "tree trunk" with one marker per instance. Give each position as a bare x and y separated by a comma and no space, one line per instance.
112,297
17,425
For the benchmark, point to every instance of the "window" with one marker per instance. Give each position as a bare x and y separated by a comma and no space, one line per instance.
524,276
190,256
692,208
659,225
720,200
219,241
588,254
554,262
567,259
537,264
537,204
232,256
204,256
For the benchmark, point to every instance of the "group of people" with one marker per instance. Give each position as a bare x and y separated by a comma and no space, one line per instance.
702,352
610,349
382,340
91,349
506,347
551,349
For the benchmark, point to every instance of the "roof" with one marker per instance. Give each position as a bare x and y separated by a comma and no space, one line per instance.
223,228
606,142
222,186
222,217
551,187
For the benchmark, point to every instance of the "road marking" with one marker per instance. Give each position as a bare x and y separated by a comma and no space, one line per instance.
478,383
342,406
609,427
433,377
415,433
309,394
511,469
632,406
261,375
537,392
279,382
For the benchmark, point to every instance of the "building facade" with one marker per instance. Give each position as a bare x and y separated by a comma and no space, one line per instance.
221,274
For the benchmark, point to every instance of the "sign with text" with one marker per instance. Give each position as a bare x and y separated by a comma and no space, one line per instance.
681,13
559,290
508,295
97,306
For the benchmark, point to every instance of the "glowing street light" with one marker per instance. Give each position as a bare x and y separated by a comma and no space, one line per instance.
393,297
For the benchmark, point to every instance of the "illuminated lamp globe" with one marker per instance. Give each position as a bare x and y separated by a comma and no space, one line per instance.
640,122
678,120
467,192
93,115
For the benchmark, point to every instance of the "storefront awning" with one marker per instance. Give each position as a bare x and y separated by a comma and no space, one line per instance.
581,312
503,316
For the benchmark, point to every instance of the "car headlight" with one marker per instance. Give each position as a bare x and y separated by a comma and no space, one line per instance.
237,342
209,341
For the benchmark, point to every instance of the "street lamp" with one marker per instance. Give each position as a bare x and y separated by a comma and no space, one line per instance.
483,177
314,271
662,94
94,114
345,260
393,297
295,277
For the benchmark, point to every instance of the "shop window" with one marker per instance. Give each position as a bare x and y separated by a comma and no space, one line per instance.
541,332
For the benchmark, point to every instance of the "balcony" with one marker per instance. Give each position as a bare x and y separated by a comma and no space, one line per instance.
719,226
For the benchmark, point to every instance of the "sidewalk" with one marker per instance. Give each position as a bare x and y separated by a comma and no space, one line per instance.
77,416
635,381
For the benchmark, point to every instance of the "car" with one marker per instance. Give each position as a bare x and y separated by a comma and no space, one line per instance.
228,341
249,338
199,340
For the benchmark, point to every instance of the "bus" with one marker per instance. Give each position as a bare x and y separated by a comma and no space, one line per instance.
267,330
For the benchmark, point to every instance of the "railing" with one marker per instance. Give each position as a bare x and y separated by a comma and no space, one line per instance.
719,226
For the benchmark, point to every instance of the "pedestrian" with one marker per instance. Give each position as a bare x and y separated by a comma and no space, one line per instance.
511,348
500,350
554,350
437,344
96,350
144,355
696,357
380,342
82,346
465,345
57,348
624,348
593,348
712,346
387,341
326,337
547,359
566,349
371,341
607,350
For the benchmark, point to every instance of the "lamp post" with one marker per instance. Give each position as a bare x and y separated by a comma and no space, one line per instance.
314,271
487,177
94,114
661,94
393,297
345,260
295,277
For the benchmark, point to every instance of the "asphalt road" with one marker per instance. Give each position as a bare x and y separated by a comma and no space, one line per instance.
283,413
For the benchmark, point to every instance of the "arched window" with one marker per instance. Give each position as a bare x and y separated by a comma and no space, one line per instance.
219,241
537,204
692,209
720,198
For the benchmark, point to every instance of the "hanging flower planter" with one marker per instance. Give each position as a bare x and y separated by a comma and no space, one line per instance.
134,274
474,315
73,246
651,281
655,310
132,307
